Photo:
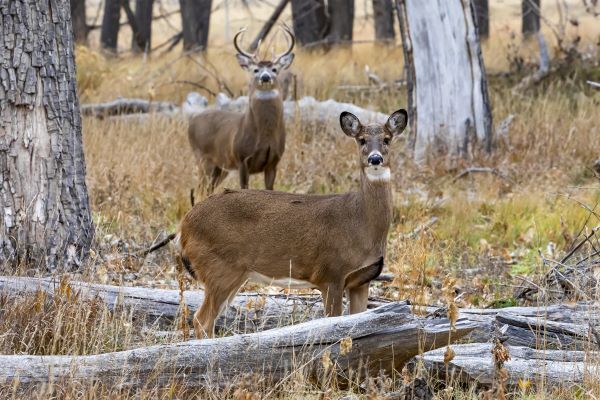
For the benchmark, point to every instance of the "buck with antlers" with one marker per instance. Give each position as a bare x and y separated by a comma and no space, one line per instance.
331,242
250,142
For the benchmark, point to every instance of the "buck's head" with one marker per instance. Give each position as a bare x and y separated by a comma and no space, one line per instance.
264,72
374,142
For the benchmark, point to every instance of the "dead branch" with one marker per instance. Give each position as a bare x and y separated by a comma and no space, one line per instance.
473,170
126,106
269,24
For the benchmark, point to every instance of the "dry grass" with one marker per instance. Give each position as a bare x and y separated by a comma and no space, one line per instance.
489,231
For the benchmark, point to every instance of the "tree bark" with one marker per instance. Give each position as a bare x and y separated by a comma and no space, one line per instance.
383,11
310,21
78,18
482,17
341,20
195,20
383,339
530,17
141,42
109,33
46,221
443,63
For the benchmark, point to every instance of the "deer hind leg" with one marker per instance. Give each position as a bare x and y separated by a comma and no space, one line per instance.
357,284
270,173
217,176
217,294
333,296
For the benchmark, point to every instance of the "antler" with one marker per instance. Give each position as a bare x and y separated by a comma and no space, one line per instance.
291,45
237,47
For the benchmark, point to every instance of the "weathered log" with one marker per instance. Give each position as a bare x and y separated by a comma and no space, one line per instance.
381,339
473,363
248,312
126,106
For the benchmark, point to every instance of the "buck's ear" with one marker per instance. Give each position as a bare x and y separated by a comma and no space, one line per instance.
285,61
244,61
350,124
397,122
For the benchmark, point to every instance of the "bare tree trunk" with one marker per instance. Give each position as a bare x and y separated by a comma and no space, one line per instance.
444,64
482,14
310,21
110,25
341,19
195,19
384,21
530,17
141,38
80,28
46,220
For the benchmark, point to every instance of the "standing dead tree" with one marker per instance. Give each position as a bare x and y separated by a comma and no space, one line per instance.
140,41
46,220
195,19
78,19
109,33
383,11
530,17
443,64
317,24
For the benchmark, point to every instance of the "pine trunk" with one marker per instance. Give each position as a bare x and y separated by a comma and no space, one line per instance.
46,220
109,32
310,21
195,19
530,14
383,11
449,108
80,28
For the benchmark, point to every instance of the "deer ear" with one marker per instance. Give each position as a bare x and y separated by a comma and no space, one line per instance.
350,124
397,122
285,61
244,61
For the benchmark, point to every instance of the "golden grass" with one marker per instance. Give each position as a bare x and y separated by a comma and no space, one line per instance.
490,229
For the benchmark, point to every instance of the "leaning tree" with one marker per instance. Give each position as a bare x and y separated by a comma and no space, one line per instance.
449,108
46,220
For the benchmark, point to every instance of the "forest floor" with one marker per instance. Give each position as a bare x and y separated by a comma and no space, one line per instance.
492,231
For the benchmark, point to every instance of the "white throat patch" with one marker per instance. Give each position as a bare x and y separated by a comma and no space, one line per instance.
376,173
266,94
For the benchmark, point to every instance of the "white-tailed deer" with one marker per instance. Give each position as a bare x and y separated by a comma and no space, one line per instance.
331,242
250,142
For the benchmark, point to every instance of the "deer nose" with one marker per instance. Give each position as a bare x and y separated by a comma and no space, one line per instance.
265,78
375,159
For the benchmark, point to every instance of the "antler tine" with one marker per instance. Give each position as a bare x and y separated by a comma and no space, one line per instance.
290,39
237,47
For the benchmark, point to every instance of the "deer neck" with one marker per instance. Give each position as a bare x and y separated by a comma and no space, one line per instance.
375,199
265,111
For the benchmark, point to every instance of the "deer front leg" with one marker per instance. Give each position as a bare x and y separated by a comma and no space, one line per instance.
359,298
333,296
270,173
244,175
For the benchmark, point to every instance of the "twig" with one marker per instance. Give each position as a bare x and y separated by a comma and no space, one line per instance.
472,170
584,241
269,25
594,84
415,232
185,82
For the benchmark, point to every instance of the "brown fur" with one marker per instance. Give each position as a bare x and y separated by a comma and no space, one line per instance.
333,242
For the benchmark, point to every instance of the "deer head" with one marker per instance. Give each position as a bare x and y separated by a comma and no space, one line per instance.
374,142
264,73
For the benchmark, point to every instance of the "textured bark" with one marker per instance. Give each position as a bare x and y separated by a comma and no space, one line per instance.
341,20
109,33
383,11
449,108
482,17
46,221
310,21
80,28
141,41
473,363
530,18
382,340
195,19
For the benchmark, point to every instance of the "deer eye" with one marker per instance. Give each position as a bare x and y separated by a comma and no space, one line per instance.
362,141
255,70
386,141
274,70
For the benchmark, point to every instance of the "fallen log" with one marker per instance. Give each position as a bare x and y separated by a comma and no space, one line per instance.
248,312
367,343
126,106
472,363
